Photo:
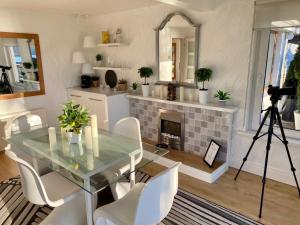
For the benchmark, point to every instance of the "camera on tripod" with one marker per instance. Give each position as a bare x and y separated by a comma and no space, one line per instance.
276,93
5,67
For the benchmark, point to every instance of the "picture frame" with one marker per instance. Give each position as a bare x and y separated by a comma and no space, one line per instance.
211,153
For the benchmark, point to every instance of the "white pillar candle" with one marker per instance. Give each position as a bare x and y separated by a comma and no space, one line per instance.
63,133
89,160
165,91
153,93
161,91
181,94
94,125
191,97
88,137
96,146
52,138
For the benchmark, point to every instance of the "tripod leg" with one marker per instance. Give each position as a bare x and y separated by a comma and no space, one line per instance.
285,142
252,144
270,133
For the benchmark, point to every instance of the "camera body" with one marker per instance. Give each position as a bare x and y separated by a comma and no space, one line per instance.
276,93
5,68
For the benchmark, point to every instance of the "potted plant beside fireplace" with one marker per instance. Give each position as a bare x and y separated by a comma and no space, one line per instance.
145,72
202,75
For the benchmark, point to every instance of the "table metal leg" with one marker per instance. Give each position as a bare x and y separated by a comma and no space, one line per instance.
132,171
88,202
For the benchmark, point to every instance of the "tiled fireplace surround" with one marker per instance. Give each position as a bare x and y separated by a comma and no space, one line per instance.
201,125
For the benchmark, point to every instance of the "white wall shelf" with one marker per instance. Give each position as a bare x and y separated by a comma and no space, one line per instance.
110,68
111,45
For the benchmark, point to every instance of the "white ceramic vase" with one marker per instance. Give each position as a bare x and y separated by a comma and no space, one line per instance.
146,90
74,138
203,96
297,119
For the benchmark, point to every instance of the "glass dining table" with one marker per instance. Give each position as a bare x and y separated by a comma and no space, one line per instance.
92,169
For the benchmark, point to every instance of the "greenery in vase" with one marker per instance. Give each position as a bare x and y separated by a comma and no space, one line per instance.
202,75
293,77
145,72
74,117
99,57
222,95
134,86
27,65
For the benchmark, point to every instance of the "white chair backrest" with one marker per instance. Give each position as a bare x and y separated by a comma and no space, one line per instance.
157,197
32,186
25,123
130,127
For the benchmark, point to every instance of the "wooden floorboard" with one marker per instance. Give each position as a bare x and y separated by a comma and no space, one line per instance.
282,203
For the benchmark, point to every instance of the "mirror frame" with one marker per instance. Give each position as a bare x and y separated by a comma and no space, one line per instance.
35,37
197,33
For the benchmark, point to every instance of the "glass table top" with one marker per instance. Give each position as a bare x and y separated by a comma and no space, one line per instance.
99,165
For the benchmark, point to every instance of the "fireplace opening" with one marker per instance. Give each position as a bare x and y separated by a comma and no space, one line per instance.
171,129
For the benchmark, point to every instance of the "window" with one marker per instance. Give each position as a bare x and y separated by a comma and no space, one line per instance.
283,56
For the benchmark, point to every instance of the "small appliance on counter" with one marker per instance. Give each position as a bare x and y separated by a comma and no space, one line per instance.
86,81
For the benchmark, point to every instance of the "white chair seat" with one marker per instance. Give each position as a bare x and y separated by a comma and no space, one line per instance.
57,187
120,189
126,212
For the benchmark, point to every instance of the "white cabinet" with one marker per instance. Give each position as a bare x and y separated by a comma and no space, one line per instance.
109,107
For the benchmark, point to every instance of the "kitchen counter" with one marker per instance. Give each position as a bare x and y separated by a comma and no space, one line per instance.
98,90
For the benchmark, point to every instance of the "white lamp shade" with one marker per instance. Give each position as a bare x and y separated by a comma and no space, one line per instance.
78,57
89,42
87,69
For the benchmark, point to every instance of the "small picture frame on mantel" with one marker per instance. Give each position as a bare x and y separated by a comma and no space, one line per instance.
211,153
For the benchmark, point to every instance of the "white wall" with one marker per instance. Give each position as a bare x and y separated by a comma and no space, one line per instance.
59,36
225,41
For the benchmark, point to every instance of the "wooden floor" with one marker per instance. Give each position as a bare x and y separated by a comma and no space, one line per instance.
282,204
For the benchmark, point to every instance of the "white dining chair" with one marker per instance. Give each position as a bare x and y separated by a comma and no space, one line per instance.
144,204
128,127
54,190
26,123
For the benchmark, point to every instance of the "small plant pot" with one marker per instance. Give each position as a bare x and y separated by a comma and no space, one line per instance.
122,87
297,119
222,102
203,96
146,90
74,138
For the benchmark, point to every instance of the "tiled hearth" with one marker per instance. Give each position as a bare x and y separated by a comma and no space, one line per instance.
201,125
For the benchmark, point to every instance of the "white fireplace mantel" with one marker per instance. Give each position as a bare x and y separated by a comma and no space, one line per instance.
209,106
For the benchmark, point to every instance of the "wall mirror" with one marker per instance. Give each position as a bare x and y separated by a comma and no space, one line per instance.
21,72
177,50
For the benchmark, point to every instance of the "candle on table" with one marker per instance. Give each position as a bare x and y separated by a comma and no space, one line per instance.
94,125
88,137
89,160
96,146
181,94
52,138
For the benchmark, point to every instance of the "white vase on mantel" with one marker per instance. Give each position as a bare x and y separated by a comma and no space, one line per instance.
203,96
146,90
297,119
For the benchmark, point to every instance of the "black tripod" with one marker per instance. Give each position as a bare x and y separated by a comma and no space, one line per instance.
5,82
275,116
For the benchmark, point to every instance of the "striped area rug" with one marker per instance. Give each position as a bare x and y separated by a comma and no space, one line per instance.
187,209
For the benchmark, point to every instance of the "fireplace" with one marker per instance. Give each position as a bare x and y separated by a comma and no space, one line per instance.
171,129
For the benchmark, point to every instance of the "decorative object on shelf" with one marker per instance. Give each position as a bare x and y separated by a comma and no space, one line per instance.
191,97
87,69
134,86
95,81
73,119
161,91
86,81
118,36
222,96
202,75
171,92
99,59
111,78
122,85
89,42
153,93
105,37
211,153
145,72
181,94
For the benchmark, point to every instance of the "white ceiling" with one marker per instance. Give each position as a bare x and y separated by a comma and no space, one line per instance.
76,6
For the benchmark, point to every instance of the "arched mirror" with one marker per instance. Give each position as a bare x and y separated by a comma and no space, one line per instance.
177,41
21,72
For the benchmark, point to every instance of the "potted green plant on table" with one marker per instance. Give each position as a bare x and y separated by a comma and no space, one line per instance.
145,72
202,75
99,59
73,119
222,96
134,86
